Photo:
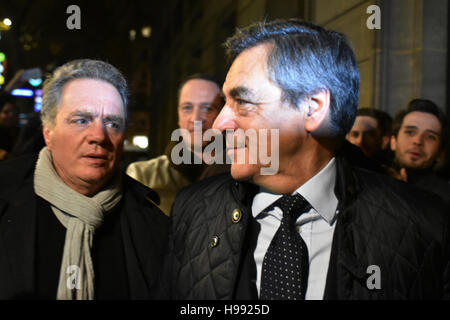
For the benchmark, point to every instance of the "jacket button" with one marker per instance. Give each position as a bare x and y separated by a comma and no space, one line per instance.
214,241
236,215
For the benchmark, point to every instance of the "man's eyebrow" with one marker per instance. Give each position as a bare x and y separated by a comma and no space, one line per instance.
110,117
410,127
81,114
241,92
116,118
427,130
434,132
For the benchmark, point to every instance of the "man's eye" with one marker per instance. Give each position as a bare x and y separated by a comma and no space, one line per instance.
186,108
113,125
241,102
80,121
431,137
207,109
244,106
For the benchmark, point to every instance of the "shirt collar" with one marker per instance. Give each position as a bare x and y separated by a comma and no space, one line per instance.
318,191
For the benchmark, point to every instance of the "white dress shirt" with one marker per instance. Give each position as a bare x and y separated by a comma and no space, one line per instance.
316,227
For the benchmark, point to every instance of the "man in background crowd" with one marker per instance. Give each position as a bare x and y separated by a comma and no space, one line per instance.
372,132
199,101
418,141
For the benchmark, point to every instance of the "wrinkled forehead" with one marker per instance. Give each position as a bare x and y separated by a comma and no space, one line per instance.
89,95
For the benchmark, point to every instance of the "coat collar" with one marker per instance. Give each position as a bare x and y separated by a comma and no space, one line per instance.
344,266
346,187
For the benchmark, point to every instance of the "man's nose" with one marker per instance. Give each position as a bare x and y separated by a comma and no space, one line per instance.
197,114
97,132
225,120
418,139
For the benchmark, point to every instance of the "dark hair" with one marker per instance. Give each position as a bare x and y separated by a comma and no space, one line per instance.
421,105
202,76
306,59
384,119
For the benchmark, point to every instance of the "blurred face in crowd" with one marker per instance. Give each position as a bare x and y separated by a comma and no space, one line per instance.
87,137
253,101
199,101
8,115
417,145
366,135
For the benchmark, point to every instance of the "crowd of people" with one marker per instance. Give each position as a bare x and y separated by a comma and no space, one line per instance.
408,147
355,190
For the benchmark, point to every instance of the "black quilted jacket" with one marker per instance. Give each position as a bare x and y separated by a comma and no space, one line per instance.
381,222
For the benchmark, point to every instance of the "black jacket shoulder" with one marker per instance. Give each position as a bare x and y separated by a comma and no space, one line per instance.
211,186
13,173
402,201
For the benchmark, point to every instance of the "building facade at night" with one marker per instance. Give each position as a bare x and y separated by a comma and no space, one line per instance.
158,43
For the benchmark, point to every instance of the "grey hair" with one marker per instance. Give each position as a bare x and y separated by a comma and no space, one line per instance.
79,69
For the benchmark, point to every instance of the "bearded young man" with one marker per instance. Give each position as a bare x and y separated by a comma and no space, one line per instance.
418,141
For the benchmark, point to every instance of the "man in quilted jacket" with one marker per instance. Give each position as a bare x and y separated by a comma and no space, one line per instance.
301,223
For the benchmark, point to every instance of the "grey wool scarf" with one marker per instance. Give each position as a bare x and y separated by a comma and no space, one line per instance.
81,215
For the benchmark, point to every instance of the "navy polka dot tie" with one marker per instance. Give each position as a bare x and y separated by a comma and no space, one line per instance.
285,266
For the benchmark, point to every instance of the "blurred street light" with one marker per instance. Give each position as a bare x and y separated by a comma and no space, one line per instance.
5,24
146,32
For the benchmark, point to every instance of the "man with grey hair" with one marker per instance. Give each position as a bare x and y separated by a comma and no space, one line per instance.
318,228
71,225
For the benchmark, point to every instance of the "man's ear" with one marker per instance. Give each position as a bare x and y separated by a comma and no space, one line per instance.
316,109
47,137
393,143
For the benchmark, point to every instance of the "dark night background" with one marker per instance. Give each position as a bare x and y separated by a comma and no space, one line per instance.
406,59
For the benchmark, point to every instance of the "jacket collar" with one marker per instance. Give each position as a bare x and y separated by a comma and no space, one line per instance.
244,191
140,192
347,185
344,266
